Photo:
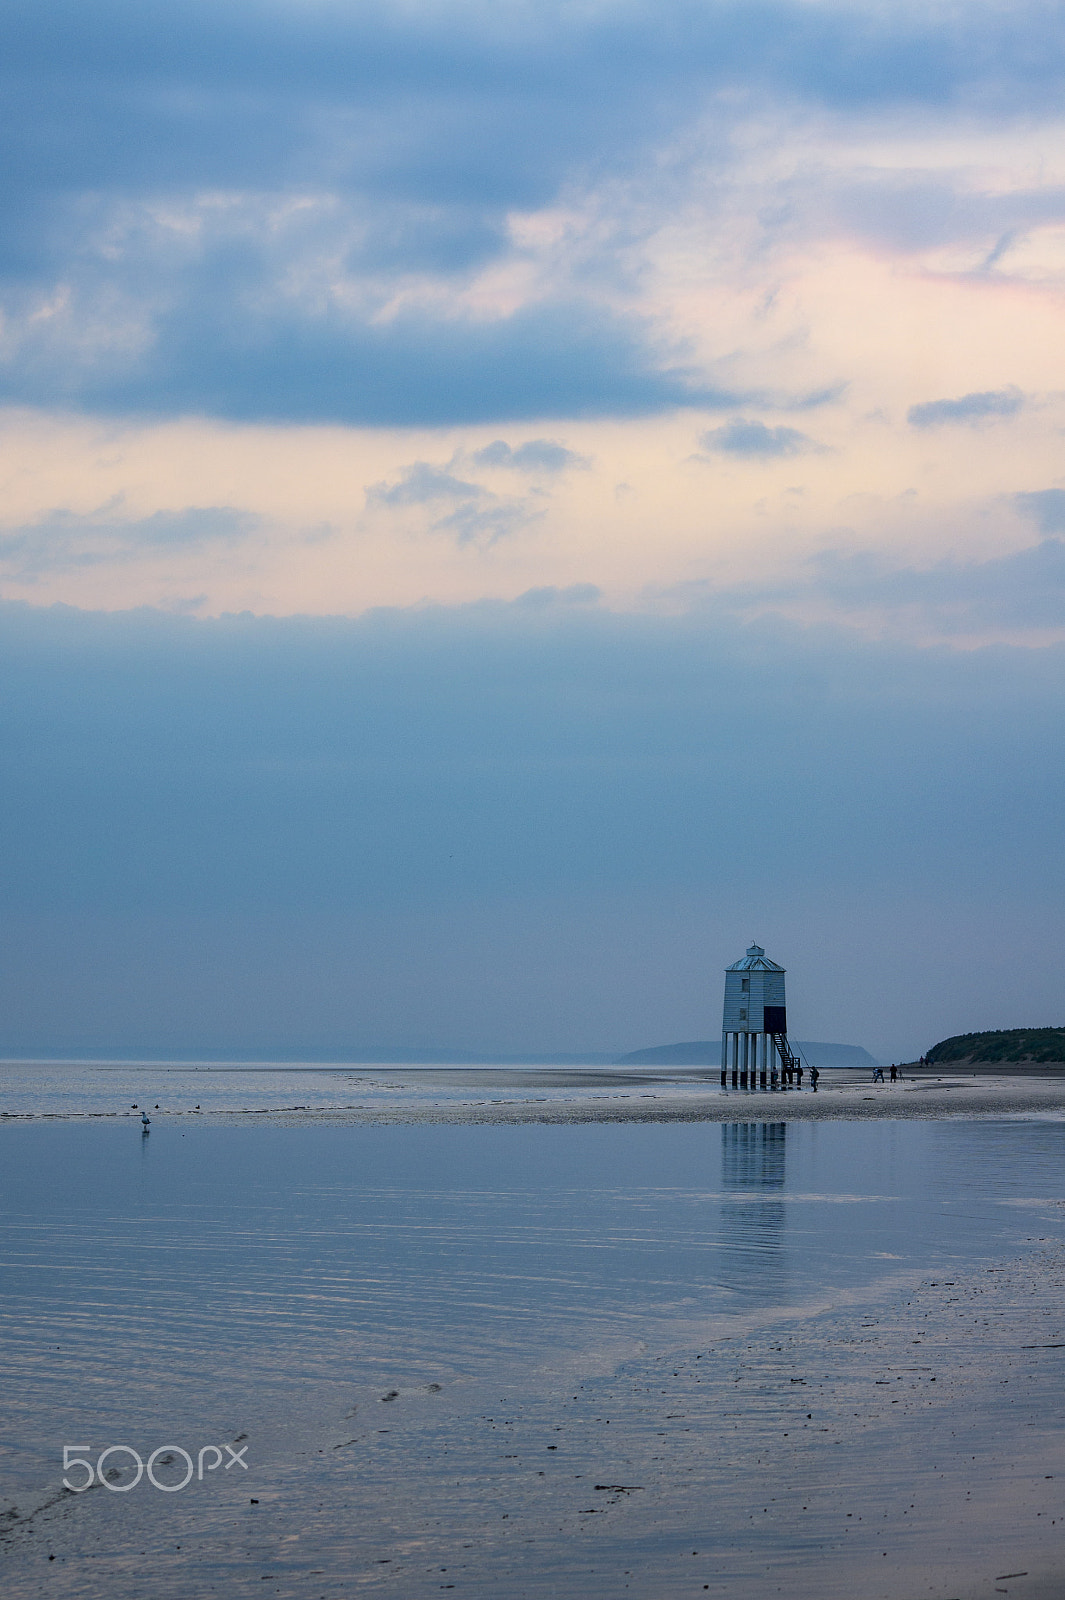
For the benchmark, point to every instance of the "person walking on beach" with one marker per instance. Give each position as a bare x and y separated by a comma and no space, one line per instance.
814,1075
894,1074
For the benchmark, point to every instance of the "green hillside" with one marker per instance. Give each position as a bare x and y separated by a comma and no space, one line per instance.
1007,1045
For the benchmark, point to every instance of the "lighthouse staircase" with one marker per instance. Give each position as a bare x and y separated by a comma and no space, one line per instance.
791,1064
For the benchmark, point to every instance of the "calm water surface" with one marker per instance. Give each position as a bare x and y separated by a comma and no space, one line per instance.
206,1281
140,1271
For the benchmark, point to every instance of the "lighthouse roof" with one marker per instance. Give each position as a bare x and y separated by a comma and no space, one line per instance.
755,960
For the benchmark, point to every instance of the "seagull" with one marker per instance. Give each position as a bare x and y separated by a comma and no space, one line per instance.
145,1121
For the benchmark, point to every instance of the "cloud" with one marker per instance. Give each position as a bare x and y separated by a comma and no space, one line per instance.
475,523
1047,506
251,762
535,455
194,526
421,483
463,101
1024,589
215,354
914,211
65,540
743,437
280,212
549,595
1018,594
969,408
544,736
515,824
480,517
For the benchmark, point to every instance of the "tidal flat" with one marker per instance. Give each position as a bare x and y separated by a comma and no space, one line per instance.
518,1348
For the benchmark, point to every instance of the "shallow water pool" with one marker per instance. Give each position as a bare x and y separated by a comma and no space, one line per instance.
207,1283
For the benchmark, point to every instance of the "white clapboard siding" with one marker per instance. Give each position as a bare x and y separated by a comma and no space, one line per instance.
744,1010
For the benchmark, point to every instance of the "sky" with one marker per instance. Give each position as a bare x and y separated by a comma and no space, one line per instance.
500,506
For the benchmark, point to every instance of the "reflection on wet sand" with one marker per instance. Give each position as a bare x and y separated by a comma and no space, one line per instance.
538,1361
752,1155
752,1168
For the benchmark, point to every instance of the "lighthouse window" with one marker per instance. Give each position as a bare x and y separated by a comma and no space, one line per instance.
745,983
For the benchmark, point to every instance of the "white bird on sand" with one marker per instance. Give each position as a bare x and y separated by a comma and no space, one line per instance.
145,1121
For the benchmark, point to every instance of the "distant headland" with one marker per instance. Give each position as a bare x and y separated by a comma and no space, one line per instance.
707,1053
1004,1048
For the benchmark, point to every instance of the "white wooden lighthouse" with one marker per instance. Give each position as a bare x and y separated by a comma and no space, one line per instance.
754,1029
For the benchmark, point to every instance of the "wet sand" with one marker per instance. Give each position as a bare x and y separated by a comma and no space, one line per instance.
412,1095
671,1099
905,1449
898,1445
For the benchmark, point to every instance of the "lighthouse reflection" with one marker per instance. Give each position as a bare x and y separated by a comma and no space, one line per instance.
752,1155
752,1180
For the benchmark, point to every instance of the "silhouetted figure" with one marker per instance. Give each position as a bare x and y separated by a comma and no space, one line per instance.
814,1075
894,1073
878,1074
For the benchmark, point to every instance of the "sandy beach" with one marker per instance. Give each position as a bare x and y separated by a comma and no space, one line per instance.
388,1095
673,1098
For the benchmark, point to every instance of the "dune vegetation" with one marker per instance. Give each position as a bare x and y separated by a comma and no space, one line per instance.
1007,1045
